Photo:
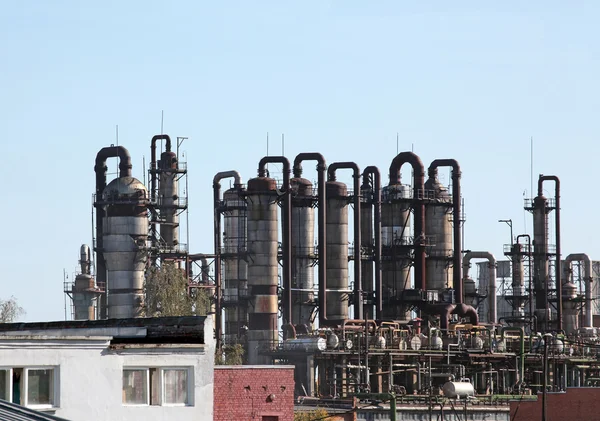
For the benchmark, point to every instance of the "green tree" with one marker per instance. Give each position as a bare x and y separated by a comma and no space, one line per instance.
230,355
166,294
317,414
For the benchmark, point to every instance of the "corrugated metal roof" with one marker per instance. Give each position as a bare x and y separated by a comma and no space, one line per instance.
13,412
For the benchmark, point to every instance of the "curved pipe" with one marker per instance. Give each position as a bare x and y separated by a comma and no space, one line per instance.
153,160
521,333
557,233
493,313
445,310
289,331
374,171
567,270
419,218
100,168
358,289
457,234
217,242
322,236
286,235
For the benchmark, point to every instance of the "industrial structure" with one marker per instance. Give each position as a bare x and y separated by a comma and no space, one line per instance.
383,302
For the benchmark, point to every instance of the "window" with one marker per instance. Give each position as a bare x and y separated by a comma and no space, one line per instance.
157,386
135,387
30,386
176,384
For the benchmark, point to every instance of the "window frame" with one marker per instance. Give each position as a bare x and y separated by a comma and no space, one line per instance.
24,386
161,385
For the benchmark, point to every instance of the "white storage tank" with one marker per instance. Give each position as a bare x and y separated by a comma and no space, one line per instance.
458,390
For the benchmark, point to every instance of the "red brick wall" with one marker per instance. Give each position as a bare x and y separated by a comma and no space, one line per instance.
581,403
253,392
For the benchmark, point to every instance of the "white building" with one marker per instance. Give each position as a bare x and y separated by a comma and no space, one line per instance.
123,369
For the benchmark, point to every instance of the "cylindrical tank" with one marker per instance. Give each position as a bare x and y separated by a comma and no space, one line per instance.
308,345
368,242
337,250
470,291
458,390
570,308
438,227
540,259
235,268
518,281
125,232
303,256
169,199
262,267
396,255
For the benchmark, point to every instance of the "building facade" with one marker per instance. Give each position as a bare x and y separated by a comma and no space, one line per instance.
128,369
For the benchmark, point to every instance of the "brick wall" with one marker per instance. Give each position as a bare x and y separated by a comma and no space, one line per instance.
578,403
254,393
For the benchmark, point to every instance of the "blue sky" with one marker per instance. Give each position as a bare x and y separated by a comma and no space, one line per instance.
466,80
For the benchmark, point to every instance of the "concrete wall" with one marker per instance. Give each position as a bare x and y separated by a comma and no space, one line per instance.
253,392
578,403
90,374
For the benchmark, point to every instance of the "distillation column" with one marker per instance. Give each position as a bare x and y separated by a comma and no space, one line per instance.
337,250
85,293
262,268
438,227
303,252
367,240
235,268
540,260
169,198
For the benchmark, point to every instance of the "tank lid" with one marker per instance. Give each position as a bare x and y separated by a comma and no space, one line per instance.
262,184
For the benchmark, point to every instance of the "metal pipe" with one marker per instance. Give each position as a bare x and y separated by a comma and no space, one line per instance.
557,233
100,169
374,171
358,288
521,333
456,209
322,236
217,243
493,314
286,235
582,257
419,218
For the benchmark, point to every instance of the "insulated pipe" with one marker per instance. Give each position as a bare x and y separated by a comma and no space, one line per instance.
377,221
217,243
582,257
457,256
286,235
521,333
358,289
100,169
322,236
557,233
419,218
492,312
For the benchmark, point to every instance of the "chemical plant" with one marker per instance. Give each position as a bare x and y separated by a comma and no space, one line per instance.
365,288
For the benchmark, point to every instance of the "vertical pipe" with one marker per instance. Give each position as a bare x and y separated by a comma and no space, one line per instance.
557,233
374,171
286,235
358,288
321,170
456,209
217,245
419,218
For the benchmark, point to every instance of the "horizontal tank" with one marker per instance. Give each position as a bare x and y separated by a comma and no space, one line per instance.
457,390
308,345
